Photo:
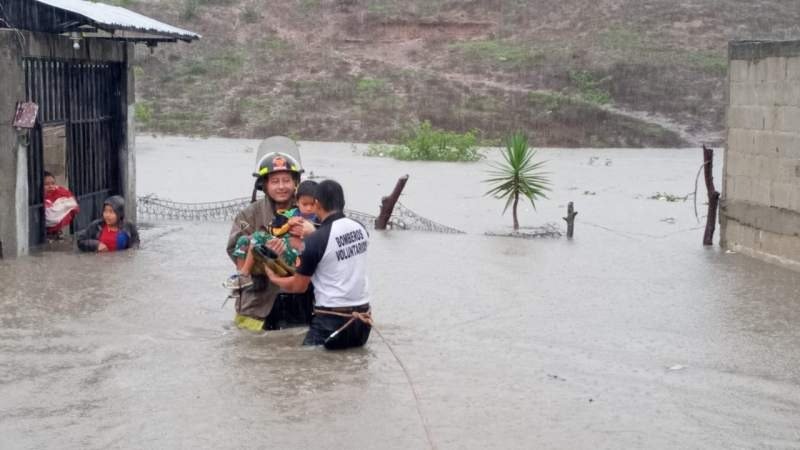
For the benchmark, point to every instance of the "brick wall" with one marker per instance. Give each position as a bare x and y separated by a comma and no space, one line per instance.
760,213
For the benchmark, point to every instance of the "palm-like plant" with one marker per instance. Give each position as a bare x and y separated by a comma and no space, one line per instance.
518,175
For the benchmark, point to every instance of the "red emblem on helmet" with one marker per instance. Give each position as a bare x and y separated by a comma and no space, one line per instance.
279,164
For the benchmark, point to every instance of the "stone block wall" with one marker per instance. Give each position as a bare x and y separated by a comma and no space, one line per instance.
760,213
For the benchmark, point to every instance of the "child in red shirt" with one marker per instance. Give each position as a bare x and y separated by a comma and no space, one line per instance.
112,232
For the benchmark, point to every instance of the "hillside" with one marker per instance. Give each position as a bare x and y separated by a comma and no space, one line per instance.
575,73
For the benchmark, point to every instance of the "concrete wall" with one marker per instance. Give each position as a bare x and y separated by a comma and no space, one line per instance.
127,152
13,156
760,213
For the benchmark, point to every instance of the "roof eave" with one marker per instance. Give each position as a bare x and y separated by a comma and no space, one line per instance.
111,27
140,35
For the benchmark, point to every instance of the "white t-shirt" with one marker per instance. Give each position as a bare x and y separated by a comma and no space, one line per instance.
335,257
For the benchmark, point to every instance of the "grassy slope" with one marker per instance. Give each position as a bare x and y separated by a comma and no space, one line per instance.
365,69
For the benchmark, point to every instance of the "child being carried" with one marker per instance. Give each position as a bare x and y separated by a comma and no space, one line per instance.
252,249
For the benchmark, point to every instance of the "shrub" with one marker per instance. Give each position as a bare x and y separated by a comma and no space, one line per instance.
426,143
589,87
143,113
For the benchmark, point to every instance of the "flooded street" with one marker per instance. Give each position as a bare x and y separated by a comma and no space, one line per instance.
632,335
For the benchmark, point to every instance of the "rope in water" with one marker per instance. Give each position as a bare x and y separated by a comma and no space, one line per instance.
366,317
635,235
413,389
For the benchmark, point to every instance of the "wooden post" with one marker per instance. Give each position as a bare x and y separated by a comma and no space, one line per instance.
387,204
713,195
570,219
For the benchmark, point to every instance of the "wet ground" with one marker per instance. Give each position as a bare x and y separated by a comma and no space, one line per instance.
632,335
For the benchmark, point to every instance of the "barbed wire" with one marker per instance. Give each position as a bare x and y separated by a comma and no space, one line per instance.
548,230
158,208
154,207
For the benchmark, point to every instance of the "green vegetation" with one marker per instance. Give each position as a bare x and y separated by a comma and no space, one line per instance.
502,52
370,86
518,175
143,112
190,8
305,88
482,103
622,39
254,105
491,66
226,64
274,46
548,101
429,8
589,87
633,46
307,5
195,68
427,143
215,66
375,98
668,197
122,3
384,8
711,62
138,72
312,91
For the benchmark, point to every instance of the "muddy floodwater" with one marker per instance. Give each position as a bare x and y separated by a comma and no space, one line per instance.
632,335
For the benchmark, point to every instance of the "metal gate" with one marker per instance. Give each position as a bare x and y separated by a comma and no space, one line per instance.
87,99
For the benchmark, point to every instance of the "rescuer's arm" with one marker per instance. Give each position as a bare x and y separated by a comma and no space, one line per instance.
295,284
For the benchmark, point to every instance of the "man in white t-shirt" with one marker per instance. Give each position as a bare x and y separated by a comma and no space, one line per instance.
335,261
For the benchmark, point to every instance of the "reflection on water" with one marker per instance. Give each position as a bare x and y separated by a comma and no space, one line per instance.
510,343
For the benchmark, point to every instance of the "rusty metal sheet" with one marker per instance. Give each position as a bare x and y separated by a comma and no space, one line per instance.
26,115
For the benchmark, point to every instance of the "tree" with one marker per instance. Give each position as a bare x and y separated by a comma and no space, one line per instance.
517,175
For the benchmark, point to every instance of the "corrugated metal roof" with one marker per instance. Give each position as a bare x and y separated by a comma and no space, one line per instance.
116,18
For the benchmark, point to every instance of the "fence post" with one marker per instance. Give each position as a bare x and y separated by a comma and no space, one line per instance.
570,219
713,195
387,204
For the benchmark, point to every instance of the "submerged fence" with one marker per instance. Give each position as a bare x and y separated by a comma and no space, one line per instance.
156,208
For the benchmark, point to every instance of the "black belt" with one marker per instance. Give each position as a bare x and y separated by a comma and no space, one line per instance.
344,309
